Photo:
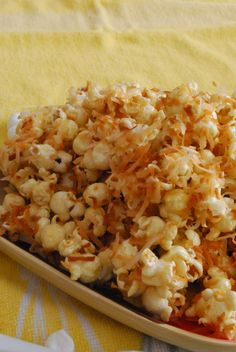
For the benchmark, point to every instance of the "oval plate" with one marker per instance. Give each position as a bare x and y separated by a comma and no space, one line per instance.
116,311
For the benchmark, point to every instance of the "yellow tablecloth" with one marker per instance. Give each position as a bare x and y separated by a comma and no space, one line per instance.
47,46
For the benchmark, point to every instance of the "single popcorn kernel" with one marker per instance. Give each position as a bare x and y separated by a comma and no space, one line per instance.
51,235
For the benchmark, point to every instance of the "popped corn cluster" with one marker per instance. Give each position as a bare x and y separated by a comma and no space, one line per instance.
134,188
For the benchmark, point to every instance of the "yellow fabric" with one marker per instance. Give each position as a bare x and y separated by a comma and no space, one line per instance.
47,46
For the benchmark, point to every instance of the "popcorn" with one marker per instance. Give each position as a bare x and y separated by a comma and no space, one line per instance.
41,193
101,154
193,236
67,129
124,252
156,300
132,187
73,243
186,266
107,268
205,131
97,194
43,155
12,124
170,232
216,305
216,206
12,199
149,226
95,217
156,272
82,142
62,162
78,210
175,204
51,235
87,268
61,202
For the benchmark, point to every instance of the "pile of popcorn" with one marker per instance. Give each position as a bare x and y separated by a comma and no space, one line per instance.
135,188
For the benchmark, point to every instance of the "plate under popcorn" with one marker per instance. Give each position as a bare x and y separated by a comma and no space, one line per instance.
183,333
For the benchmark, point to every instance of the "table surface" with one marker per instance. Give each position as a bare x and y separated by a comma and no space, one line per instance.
48,46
